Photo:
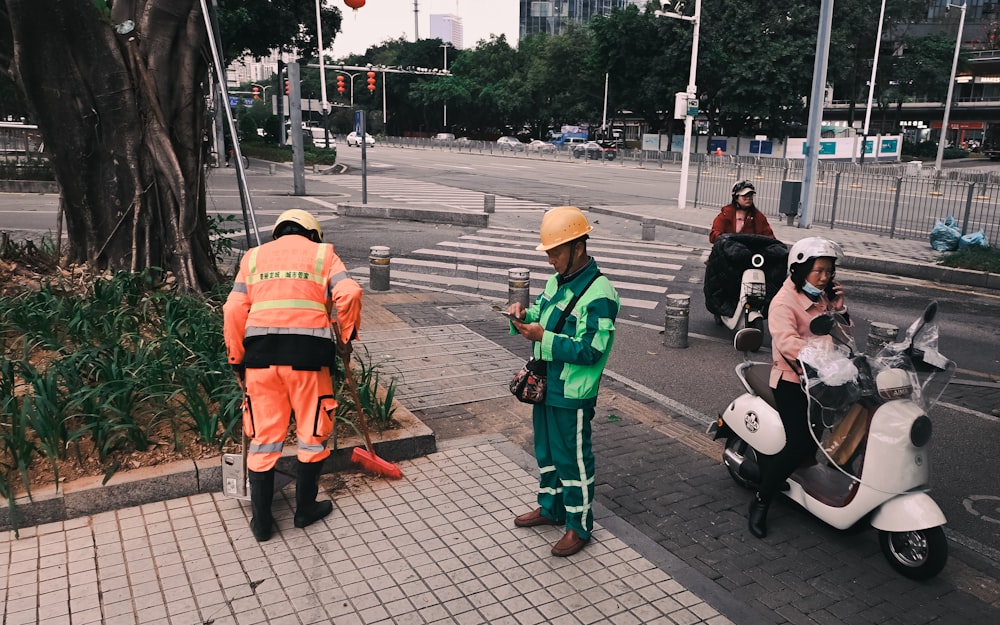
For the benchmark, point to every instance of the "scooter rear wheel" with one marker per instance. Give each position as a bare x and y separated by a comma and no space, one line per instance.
918,554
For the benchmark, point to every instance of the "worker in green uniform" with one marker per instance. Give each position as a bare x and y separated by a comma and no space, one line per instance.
575,357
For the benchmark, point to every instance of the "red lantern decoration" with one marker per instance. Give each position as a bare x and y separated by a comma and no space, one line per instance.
355,4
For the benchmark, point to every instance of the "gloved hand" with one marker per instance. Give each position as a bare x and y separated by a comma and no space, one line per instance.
345,349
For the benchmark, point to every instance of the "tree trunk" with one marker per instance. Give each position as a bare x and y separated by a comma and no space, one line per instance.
123,116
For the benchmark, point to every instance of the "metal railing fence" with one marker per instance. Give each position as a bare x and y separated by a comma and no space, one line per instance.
899,200
862,198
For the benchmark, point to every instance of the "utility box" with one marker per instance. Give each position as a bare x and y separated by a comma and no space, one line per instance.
788,203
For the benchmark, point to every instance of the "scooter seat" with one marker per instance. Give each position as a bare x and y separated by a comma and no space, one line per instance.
758,376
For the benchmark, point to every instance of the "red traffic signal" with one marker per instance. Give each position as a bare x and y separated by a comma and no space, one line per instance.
288,89
371,81
340,84
256,93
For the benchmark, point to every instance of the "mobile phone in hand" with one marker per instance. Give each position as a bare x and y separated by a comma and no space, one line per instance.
830,294
509,315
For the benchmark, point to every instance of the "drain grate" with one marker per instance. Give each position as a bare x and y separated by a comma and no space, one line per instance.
442,365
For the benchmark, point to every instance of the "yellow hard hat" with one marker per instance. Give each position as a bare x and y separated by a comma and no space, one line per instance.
562,224
300,217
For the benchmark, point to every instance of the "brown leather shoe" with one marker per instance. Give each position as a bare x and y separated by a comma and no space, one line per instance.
533,518
569,544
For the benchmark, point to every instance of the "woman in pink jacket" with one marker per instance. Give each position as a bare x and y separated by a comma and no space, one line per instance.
809,291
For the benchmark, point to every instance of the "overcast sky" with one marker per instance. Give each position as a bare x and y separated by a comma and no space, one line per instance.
379,20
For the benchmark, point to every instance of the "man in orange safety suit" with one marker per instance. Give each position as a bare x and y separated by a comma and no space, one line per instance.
278,323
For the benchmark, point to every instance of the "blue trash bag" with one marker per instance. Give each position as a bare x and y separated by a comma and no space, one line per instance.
945,236
974,239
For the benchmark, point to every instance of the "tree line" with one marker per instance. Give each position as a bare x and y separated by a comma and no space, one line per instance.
754,74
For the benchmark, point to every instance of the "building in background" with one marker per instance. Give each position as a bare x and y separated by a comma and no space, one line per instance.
447,28
555,16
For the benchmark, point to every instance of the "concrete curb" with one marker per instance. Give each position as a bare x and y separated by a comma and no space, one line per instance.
433,215
29,186
89,496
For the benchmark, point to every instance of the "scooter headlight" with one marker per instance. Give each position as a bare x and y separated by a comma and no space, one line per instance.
920,431
893,384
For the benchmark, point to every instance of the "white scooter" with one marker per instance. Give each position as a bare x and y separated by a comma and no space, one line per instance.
753,253
874,454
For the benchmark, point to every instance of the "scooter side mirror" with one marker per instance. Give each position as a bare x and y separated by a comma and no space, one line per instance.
748,340
930,312
821,325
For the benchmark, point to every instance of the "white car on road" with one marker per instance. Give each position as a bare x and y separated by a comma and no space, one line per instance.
353,141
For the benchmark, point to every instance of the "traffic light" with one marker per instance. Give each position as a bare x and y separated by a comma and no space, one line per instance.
371,81
256,93
340,84
288,89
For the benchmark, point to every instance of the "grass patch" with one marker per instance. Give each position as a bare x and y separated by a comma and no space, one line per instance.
98,373
975,258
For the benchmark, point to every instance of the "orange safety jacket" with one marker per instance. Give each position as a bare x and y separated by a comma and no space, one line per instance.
285,297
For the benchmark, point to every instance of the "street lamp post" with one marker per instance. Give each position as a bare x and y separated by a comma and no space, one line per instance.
322,76
692,89
445,47
871,83
951,88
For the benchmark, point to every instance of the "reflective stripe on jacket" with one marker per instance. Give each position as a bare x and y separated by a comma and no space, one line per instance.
576,357
288,291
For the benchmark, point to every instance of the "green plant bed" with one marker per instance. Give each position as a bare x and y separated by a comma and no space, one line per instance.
104,373
283,154
975,258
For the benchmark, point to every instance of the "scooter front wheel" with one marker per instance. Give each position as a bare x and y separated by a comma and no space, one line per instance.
917,554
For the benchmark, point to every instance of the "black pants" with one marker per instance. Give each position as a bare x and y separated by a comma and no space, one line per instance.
799,443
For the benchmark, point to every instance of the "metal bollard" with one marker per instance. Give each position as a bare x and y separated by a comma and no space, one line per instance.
648,232
489,204
518,283
880,335
378,268
271,168
675,322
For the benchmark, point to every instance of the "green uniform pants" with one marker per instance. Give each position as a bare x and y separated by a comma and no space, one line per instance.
566,463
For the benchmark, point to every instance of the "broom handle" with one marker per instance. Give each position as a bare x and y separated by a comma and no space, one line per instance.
349,376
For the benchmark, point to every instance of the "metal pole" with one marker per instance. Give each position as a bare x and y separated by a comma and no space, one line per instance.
240,173
295,117
815,111
604,119
871,83
688,119
322,77
444,46
951,89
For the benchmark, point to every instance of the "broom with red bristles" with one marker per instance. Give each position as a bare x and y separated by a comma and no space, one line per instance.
366,458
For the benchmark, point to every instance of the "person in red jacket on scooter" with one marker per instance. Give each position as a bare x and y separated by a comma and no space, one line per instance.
741,215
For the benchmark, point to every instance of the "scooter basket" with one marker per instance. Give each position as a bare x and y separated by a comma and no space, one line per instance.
756,294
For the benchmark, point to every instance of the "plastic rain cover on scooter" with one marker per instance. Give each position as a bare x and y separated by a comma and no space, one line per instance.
846,388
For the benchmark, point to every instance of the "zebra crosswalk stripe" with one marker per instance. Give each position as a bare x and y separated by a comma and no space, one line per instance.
479,263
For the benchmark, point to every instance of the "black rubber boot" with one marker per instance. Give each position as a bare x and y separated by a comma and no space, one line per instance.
307,509
757,516
261,496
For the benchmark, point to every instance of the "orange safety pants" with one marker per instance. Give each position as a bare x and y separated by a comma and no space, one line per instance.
273,395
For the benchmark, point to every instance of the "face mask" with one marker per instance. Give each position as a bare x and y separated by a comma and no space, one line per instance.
810,290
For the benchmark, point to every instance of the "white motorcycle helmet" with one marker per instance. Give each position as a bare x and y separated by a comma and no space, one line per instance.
813,247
